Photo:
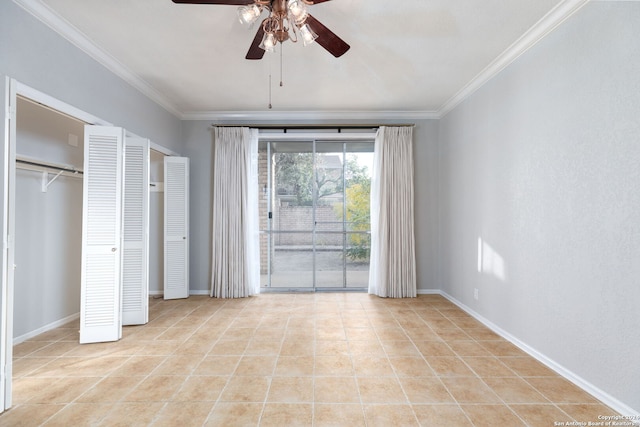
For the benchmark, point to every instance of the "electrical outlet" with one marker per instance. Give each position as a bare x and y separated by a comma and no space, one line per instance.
475,294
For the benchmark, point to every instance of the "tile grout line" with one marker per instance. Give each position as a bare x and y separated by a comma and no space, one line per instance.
481,379
149,374
350,312
508,405
436,373
270,380
355,377
231,374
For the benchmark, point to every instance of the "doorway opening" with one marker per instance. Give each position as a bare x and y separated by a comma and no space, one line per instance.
20,160
315,214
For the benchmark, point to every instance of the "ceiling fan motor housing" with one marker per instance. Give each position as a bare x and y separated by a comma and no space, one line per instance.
282,35
276,25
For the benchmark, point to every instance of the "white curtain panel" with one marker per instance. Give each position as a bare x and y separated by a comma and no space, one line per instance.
235,271
392,271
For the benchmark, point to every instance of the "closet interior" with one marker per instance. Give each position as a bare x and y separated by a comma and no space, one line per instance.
49,182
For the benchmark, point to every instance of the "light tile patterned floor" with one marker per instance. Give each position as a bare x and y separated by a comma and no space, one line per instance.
292,360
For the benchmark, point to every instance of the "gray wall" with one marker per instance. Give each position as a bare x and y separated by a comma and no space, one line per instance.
198,146
48,235
198,140
543,164
38,57
425,151
35,55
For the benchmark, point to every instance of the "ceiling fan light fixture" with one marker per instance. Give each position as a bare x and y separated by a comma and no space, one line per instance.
269,42
286,20
297,11
307,34
249,14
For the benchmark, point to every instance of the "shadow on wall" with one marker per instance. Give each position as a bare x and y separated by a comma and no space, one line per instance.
491,262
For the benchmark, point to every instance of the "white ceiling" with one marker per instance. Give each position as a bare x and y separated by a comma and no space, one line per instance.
415,57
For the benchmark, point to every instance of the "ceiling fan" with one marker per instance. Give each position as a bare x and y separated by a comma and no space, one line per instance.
287,20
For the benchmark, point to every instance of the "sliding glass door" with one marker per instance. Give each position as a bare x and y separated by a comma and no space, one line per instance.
314,209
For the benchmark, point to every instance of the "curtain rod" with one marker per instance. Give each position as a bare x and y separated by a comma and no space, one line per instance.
312,127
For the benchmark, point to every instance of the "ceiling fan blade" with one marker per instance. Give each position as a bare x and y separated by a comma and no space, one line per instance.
229,2
327,39
255,51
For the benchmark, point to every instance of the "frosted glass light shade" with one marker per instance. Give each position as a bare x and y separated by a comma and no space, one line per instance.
307,34
297,11
249,14
269,42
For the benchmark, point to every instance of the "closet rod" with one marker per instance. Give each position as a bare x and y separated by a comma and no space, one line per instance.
48,166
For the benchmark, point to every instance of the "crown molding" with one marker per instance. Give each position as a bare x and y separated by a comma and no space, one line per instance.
61,26
540,30
306,116
49,17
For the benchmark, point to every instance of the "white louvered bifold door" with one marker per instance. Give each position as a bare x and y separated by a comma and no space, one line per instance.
100,317
176,227
135,233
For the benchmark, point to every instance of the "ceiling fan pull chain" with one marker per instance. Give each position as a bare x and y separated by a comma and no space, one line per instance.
270,68
281,49
270,106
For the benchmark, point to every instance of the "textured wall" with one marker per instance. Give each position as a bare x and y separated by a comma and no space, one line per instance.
35,55
197,137
48,232
543,164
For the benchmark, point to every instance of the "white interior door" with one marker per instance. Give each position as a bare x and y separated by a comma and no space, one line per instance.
135,239
100,305
176,227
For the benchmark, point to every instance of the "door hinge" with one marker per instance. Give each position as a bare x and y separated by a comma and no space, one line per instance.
10,114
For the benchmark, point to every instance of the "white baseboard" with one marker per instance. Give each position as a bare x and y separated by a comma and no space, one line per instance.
599,394
45,328
191,292
429,292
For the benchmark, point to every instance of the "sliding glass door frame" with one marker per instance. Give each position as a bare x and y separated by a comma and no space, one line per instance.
314,140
